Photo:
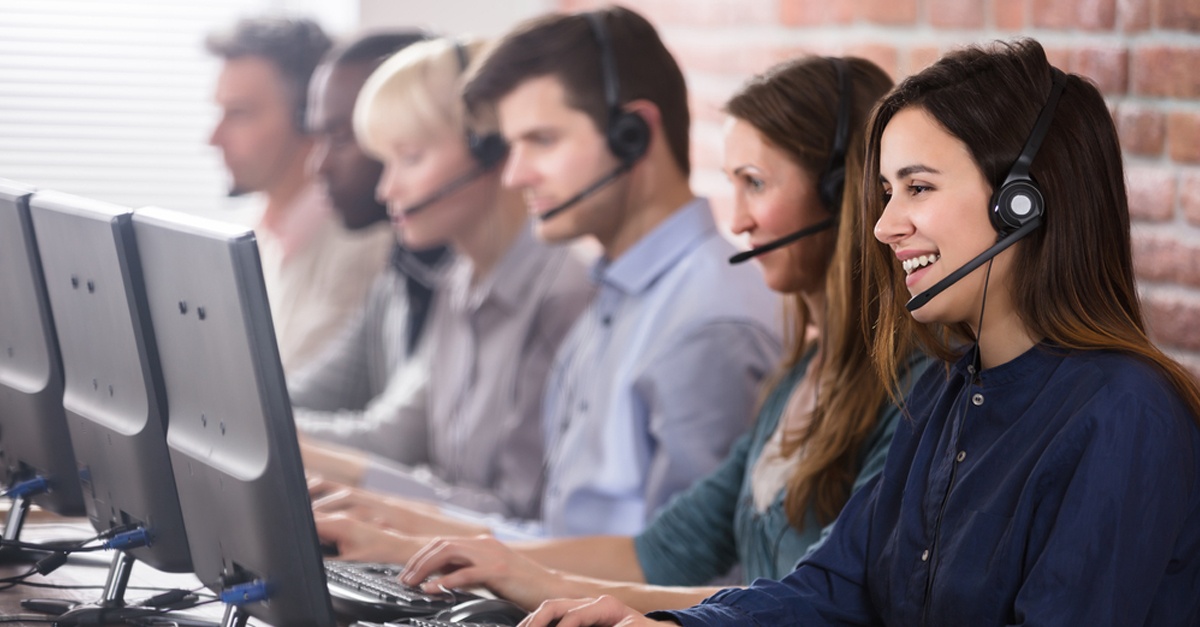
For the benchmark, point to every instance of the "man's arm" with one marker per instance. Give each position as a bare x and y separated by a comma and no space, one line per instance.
701,392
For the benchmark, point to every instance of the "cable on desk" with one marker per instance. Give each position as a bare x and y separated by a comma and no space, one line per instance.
27,618
149,618
61,586
44,566
114,538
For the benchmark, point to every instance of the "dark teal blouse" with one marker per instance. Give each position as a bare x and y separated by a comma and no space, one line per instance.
709,528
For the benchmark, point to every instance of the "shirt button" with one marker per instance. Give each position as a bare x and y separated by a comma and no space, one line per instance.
925,555
977,399
583,406
961,456
971,369
606,320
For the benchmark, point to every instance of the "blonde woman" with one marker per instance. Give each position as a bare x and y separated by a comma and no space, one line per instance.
468,421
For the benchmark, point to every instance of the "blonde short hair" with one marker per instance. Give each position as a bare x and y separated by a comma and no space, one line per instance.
414,95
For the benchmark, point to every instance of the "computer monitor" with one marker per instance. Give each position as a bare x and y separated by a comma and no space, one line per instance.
231,436
114,396
36,462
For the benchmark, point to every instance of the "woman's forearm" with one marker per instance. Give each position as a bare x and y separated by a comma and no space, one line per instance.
602,557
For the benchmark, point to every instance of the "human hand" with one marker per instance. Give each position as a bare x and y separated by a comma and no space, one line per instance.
319,487
413,518
484,561
357,540
340,464
604,611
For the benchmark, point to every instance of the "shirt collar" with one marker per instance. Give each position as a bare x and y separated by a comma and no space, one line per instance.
1033,365
426,267
305,217
659,250
509,281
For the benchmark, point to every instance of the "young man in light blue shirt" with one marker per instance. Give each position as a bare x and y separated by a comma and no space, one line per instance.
661,373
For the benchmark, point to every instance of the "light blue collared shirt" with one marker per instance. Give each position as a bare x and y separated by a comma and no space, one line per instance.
657,378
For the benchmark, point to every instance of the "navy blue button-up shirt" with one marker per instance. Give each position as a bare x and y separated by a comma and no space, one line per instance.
1060,488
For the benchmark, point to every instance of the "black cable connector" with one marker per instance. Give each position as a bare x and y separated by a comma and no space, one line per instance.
169,598
50,563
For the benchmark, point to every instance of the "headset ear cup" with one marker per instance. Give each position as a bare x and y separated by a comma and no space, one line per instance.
488,150
300,118
628,136
1015,204
831,187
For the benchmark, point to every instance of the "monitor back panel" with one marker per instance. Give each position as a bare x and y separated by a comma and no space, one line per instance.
233,443
114,400
33,429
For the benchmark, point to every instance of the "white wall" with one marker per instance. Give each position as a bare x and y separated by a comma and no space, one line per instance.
113,99
488,18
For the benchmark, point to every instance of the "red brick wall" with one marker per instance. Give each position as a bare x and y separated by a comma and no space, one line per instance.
1143,54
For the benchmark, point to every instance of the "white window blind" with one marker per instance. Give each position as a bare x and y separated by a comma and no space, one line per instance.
113,99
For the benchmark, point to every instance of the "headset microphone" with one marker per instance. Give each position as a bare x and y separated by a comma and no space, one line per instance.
1017,202
823,225
446,190
833,179
918,301
587,191
626,133
488,151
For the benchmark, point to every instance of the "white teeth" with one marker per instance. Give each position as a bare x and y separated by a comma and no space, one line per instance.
912,265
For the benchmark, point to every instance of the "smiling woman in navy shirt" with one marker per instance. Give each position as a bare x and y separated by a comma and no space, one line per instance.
1050,474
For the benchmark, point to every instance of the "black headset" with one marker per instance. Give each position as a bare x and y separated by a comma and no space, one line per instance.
489,149
833,181
1018,201
1017,206
627,133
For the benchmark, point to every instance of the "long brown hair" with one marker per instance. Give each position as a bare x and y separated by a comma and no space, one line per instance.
794,106
1077,283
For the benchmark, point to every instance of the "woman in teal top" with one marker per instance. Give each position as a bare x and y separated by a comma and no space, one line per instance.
715,524
793,151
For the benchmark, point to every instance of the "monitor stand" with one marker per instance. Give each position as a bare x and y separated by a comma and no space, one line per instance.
12,529
111,608
17,512
235,616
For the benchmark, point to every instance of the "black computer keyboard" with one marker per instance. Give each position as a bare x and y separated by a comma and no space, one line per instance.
434,622
475,613
373,592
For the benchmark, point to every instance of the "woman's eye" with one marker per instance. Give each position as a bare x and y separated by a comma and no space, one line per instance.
887,196
917,189
755,184
543,139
